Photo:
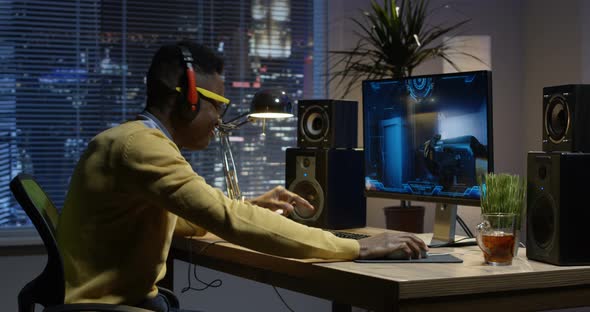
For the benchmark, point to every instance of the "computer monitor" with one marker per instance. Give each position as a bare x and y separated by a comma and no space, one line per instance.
428,138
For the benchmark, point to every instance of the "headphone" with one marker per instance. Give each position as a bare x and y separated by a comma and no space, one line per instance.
188,101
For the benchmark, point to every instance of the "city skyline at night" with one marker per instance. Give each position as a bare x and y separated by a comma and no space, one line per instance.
62,83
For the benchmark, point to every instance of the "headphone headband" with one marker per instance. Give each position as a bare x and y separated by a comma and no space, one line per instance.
191,93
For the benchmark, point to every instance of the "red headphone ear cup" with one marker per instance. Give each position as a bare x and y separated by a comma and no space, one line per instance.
186,110
191,95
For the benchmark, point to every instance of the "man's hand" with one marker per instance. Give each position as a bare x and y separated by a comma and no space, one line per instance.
283,199
379,246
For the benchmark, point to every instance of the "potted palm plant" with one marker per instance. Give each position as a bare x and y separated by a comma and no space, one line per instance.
394,38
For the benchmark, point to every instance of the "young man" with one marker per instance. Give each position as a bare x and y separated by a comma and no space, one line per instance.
132,190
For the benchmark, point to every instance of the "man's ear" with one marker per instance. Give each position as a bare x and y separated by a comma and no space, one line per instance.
184,109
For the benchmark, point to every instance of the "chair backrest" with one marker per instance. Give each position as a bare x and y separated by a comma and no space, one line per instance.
48,288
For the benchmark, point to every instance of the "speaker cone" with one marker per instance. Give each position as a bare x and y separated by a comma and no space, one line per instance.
543,220
315,123
313,193
557,118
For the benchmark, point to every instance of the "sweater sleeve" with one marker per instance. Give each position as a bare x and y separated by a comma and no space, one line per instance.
154,166
186,228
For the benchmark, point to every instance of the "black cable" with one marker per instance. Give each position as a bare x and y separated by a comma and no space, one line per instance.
464,227
215,283
283,300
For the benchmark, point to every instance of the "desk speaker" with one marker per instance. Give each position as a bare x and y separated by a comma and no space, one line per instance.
566,118
332,181
557,212
327,123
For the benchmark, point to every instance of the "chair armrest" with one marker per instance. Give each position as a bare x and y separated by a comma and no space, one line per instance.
170,296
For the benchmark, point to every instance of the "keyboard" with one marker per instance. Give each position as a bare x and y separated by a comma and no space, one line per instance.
348,235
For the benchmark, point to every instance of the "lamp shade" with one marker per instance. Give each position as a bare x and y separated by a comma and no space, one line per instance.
271,104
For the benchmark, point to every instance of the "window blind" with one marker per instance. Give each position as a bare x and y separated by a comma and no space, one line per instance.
70,69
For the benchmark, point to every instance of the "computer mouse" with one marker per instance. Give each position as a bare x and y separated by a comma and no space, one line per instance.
401,255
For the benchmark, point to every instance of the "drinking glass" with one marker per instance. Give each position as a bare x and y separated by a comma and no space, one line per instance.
495,237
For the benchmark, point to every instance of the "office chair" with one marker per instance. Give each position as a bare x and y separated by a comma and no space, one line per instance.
48,289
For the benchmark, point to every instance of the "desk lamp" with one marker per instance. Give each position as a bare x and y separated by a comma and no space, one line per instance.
265,104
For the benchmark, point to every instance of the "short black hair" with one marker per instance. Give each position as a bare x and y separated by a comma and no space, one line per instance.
167,70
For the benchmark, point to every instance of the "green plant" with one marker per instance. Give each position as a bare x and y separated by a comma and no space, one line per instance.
393,40
503,193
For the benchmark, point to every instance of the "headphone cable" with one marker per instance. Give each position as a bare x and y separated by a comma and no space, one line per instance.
214,283
282,299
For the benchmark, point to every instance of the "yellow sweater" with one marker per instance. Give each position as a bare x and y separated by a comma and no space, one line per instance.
125,196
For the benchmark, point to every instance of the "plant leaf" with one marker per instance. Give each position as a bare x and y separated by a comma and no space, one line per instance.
391,44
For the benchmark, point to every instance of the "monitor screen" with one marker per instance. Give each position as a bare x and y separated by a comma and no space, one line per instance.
428,138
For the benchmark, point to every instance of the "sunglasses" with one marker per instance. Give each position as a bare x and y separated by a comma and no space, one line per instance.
221,103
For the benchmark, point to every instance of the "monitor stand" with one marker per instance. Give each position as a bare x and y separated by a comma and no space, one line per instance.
445,219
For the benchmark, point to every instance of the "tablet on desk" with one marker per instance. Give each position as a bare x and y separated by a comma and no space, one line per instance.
432,258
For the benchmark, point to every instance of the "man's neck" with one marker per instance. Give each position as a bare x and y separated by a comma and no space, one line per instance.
164,118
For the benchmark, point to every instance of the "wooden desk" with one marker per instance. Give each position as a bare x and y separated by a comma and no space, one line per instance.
468,286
